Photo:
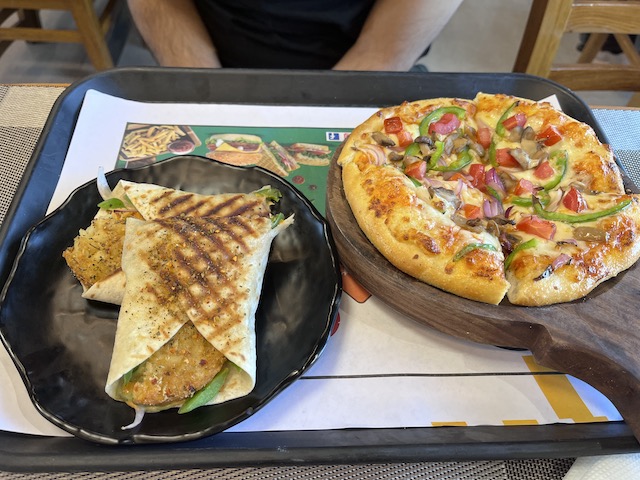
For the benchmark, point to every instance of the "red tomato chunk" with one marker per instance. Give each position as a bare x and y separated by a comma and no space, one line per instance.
505,159
392,125
404,138
537,226
416,170
574,200
544,171
517,120
550,135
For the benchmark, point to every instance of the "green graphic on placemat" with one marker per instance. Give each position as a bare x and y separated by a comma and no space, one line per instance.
299,155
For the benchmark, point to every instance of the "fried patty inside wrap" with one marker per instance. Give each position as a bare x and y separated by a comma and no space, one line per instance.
181,367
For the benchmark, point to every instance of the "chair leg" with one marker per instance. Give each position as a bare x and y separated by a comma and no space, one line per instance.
93,37
628,48
541,39
592,46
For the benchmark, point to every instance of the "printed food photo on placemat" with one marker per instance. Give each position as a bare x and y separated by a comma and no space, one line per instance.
142,143
299,155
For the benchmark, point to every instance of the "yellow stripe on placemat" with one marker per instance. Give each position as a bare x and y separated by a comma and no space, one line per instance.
520,422
561,395
449,424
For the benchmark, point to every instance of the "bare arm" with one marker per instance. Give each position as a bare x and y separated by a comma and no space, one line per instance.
396,33
174,33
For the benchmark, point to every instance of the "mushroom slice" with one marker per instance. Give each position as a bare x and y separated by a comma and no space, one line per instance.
381,139
523,158
591,234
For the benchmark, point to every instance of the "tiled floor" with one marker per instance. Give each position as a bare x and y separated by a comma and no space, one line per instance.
482,36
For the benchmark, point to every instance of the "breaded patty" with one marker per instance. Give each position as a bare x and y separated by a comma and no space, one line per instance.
97,251
184,365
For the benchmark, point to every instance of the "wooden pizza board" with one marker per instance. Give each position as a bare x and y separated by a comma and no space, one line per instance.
595,339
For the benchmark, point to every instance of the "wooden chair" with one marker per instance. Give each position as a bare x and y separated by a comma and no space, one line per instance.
550,19
91,28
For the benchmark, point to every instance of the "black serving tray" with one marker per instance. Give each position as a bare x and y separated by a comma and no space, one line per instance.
372,89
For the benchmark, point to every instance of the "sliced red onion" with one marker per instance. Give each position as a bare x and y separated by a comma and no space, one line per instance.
103,185
492,180
432,182
560,260
486,208
374,152
507,212
492,207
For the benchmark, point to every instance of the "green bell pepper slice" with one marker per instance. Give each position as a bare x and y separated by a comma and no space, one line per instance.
500,130
435,156
522,246
528,202
413,150
579,218
437,115
464,159
473,246
559,159
492,154
207,393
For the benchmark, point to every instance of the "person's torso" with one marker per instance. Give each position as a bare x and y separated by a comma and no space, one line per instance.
283,33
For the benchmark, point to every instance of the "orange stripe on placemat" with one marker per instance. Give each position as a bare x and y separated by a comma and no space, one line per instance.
561,395
449,424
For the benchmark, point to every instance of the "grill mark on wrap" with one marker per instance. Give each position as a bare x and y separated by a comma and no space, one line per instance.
173,204
169,204
186,231
234,210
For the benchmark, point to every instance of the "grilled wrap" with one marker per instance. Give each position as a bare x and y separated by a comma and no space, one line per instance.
192,289
95,256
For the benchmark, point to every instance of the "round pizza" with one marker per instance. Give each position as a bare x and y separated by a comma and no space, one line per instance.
491,197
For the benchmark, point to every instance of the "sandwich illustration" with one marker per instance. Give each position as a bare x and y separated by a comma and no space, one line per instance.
310,154
277,160
234,149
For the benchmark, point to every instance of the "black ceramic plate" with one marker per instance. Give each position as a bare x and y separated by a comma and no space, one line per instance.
62,343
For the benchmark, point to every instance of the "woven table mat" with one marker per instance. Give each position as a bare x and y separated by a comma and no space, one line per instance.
622,128
478,470
23,113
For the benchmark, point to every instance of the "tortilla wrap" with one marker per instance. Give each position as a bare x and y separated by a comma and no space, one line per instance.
154,201
204,270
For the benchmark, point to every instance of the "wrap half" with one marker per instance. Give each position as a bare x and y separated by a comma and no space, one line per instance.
95,256
192,289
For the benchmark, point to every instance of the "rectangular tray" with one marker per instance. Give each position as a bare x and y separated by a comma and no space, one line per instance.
371,89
